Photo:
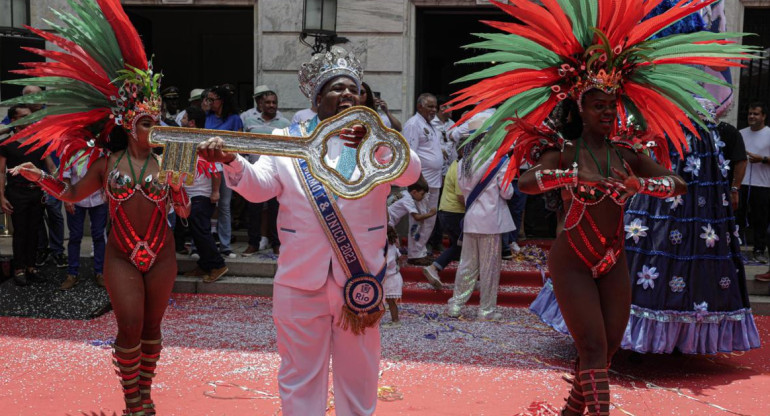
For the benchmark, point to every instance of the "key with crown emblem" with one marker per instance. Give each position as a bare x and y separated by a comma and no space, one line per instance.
381,157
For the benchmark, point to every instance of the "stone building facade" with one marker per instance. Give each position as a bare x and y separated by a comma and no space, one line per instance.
381,32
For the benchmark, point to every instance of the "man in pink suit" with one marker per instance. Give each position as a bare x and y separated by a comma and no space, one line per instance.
308,290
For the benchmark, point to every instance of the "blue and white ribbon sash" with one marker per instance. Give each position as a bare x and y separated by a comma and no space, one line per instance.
363,291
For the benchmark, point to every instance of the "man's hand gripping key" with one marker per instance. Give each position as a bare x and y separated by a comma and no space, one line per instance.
381,156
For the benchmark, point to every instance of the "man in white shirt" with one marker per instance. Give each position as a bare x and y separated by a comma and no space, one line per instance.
486,219
443,123
308,297
265,122
254,112
304,115
755,192
425,140
96,207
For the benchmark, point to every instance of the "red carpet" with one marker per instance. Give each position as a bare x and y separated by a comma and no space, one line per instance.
220,359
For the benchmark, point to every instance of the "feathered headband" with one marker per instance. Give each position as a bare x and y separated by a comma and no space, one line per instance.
100,79
564,48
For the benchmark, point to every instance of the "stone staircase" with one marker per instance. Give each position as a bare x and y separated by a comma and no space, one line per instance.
247,276
759,292
254,276
519,285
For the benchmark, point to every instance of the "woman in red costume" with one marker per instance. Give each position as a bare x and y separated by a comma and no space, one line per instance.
107,89
598,53
595,176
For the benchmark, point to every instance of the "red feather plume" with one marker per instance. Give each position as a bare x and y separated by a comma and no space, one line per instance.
541,26
651,26
51,128
128,38
95,75
492,91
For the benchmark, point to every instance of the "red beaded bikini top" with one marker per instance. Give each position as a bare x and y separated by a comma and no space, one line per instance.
121,186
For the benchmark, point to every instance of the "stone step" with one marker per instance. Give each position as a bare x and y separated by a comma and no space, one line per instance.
760,305
262,264
753,286
227,285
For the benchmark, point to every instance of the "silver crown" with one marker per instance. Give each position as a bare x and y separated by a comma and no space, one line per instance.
325,66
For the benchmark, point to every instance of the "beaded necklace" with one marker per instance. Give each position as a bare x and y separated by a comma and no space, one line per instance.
590,152
141,173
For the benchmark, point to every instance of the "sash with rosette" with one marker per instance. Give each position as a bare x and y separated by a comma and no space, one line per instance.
476,191
363,291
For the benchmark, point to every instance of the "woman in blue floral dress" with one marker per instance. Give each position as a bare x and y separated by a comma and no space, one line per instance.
689,285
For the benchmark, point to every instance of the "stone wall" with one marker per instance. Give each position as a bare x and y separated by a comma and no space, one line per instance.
41,9
734,11
376,32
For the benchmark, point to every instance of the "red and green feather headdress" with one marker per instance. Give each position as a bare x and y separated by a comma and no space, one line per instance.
101,78
564,48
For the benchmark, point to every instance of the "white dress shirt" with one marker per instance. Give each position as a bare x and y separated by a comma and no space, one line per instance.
303,264
95,199
489,214
424,139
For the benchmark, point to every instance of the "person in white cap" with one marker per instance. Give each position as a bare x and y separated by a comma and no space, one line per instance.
196,99
312,315
255,111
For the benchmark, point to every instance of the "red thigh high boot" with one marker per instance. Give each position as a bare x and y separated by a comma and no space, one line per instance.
126,361
596,391
150,355
575,402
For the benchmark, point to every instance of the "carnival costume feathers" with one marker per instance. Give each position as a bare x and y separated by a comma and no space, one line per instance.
100,79
564,48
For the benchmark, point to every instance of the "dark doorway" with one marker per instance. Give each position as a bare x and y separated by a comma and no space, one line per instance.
200,47
755,78
441,33
11,56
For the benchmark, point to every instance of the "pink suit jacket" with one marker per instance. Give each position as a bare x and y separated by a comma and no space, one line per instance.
306,253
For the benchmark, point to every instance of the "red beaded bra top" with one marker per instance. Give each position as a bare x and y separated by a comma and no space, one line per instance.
121,187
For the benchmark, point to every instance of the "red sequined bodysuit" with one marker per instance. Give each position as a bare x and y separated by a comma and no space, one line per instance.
580,197
121,187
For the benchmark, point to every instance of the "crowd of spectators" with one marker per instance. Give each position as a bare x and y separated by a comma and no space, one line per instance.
433,209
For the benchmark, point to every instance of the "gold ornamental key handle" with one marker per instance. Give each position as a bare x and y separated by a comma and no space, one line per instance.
381,157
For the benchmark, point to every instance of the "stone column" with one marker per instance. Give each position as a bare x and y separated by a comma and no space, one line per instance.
734,10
